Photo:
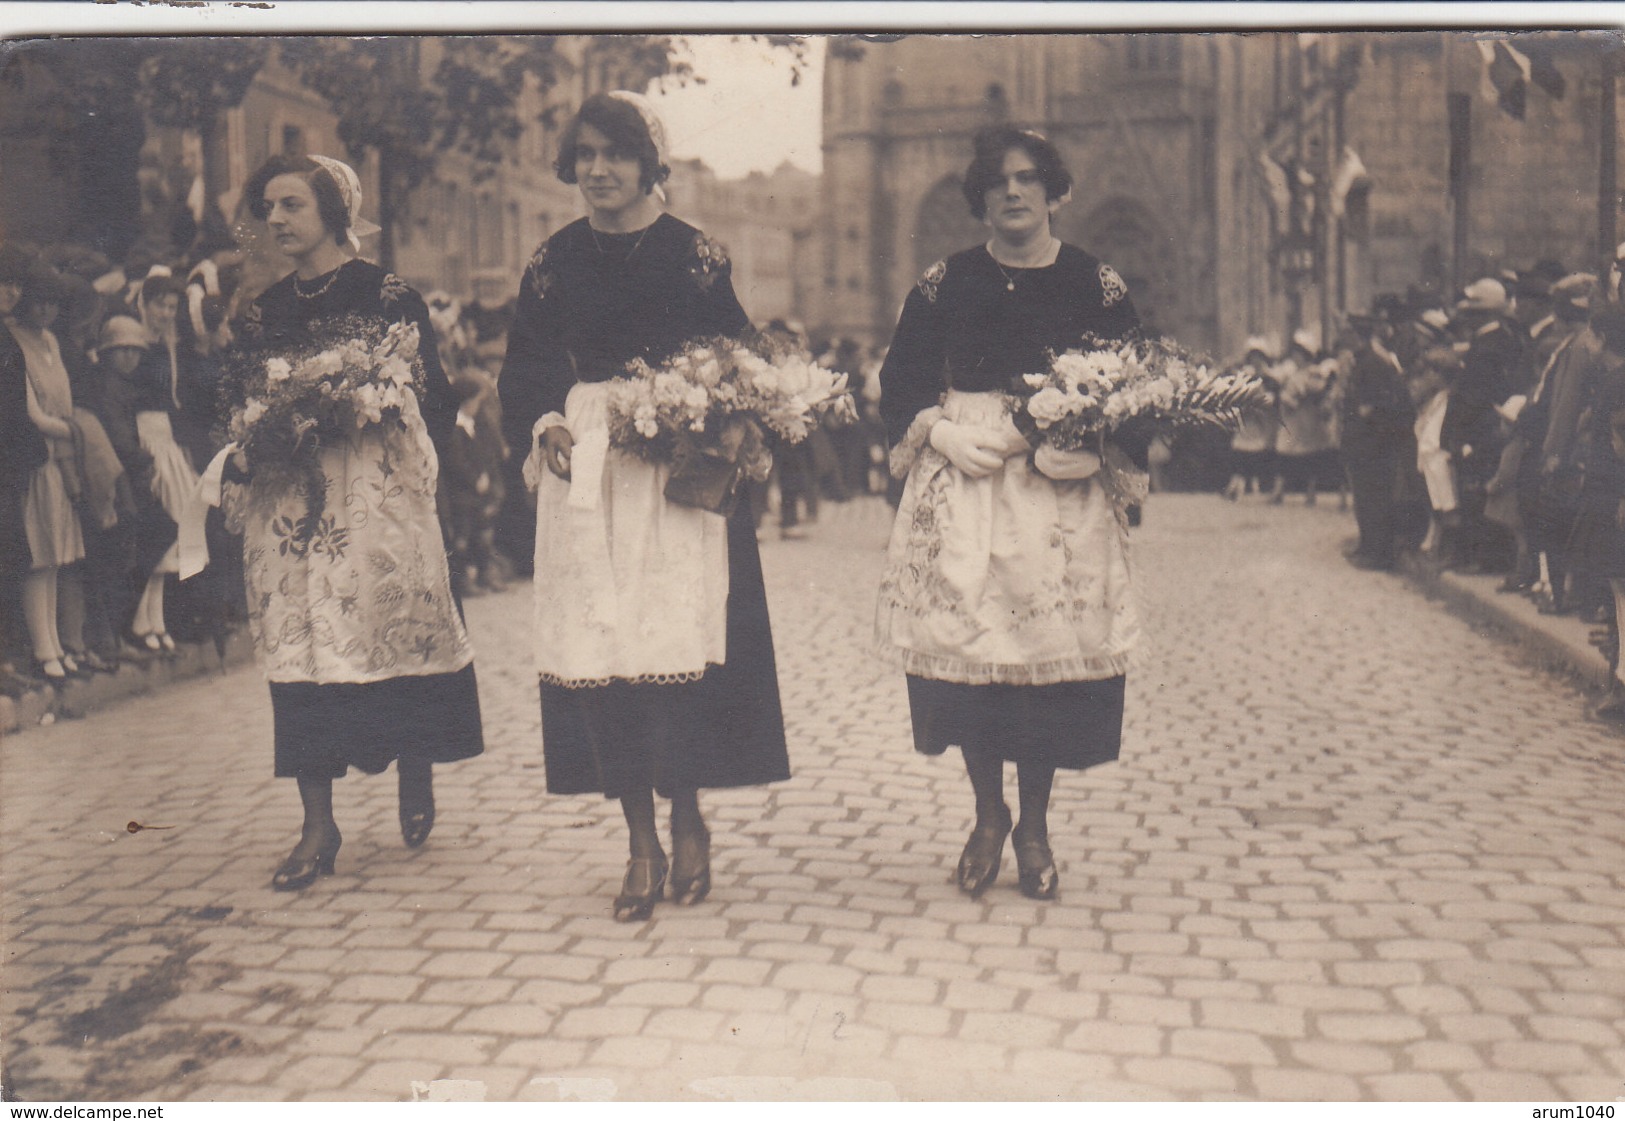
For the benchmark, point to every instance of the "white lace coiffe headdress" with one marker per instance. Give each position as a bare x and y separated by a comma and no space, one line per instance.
349,185
653,125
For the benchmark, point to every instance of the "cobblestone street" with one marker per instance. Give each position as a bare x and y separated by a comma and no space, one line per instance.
1353,851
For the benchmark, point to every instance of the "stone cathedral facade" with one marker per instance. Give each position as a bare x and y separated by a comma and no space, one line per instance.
1241,183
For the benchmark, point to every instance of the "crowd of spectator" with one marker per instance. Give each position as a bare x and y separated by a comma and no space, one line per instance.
1484,434
110,376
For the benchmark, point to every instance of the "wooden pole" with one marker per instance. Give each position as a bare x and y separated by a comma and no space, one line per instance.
1461,78
1460,110
1608,150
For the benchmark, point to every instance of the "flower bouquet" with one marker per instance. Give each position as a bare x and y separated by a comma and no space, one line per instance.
1089,393
711,410
292,405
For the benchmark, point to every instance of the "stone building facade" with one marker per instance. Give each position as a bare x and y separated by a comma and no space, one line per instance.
1241,183
767,222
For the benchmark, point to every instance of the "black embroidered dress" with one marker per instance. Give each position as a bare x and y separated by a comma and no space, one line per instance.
353,618
653,648
1005,599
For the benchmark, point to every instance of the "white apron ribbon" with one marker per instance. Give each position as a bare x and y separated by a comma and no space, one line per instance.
194,552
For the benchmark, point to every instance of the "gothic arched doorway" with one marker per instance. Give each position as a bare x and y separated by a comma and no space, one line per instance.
944,225
1122,233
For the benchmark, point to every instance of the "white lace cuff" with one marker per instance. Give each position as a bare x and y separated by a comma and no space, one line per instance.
917,436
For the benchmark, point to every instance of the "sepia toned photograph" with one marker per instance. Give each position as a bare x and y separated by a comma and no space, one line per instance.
622,560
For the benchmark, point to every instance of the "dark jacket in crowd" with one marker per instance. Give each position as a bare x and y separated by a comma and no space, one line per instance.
1492,370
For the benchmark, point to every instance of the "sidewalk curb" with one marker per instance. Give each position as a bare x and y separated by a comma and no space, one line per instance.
135,677
1559,641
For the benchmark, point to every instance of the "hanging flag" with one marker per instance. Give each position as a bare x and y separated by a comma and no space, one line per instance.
1275,183
1303,190
1512,65
1508,72
1543,69
1351,174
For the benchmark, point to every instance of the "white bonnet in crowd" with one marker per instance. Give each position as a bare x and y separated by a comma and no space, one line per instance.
123,330
1487,294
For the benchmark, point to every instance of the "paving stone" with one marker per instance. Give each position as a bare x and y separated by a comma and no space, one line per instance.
1540,1057
818,978
599,1023
1477,1029
1010,1029
1443,859
1305,1086
507,1020
1134,1009
1507,1086
1330,998
1253,1016
413,1016
1411,1087
1342,1058
1181,1075
1229,1048
1117,1039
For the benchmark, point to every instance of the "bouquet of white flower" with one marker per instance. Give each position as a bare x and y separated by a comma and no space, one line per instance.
708,410
1092,392
290,406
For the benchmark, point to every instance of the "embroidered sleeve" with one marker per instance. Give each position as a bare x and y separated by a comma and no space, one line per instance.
931,278
710,261
393,289
537,275
1112,288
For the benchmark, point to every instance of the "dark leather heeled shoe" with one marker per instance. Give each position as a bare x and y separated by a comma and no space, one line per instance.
979,863
644,886
1035,865
690,868
417,815
297,874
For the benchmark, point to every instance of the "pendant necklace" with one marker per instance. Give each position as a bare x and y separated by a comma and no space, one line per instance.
1009,280
603,252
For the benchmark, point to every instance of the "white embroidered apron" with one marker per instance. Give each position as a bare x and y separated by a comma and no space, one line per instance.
628,585
1009,579
365,594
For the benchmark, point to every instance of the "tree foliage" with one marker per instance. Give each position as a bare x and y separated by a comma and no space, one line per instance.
180,82
393,97
187,83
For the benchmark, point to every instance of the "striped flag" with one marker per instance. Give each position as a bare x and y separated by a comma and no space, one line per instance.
1511,67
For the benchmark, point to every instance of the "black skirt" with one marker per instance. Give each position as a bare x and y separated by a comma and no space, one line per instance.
724,730
1070,724
323,730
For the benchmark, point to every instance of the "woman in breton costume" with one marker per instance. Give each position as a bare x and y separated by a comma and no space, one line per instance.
351,610
1006,596
652,641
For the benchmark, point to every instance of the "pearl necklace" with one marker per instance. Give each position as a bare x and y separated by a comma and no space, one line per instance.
332,278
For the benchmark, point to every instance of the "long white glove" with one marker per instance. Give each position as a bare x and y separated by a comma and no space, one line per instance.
978,452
